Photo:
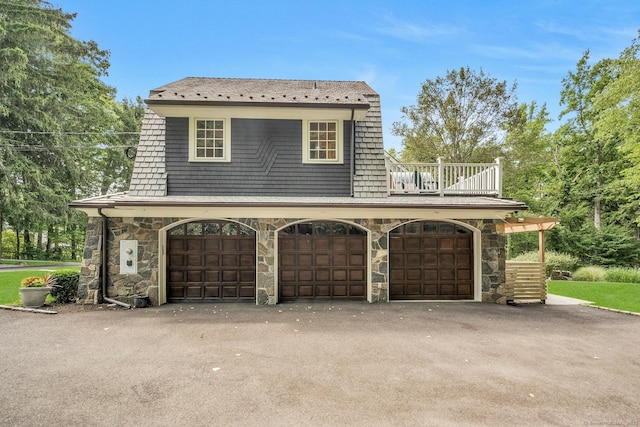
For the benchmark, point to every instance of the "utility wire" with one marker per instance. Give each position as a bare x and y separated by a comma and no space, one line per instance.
105,133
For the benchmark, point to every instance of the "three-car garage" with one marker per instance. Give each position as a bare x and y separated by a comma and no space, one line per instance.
215,261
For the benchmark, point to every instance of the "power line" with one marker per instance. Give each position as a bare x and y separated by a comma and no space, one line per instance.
105,133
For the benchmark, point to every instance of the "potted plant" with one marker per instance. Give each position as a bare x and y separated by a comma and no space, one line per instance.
34,290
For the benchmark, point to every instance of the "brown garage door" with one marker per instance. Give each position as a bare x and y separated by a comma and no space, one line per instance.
431,261
322,260
211,261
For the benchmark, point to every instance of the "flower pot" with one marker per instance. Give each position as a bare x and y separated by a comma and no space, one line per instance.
34,297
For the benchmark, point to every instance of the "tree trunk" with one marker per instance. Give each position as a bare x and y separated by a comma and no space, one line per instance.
27,243
17,244
597,209
1,227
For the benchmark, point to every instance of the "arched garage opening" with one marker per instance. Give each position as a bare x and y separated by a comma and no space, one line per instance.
431,260
322,260
211,261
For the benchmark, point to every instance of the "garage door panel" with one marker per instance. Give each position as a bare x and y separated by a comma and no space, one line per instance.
339,275
288,291
305,275
305,291
304,244
212,246
212,292
356,275
356,244
446,260
211,261
447,244
340,291
412,243
429,243
177,260
194,292
194,260
322,260
194,245
357,291
357,260
339,244
323,291
229,276
322,244
323,275
339,260
305,259
329,259
229,260
431,260
248,276
176,276
413,274
176,245
288,275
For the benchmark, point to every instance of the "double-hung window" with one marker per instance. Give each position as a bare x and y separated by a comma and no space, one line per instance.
209,140
322,142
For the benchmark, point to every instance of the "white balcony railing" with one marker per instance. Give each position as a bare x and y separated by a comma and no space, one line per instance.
445,178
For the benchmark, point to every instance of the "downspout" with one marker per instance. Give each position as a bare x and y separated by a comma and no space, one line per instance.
352,151
105,261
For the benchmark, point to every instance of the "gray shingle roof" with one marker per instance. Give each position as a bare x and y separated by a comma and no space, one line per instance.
203,90
149,177
370,179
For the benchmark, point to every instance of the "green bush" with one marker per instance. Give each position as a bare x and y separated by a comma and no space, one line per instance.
590,273
67,285
553,260
622,275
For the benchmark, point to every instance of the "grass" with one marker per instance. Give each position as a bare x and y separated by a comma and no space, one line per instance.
10,282
29,263
620,296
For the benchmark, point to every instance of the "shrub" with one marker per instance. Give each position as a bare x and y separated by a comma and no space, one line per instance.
622,275
590,273
67,285
553,260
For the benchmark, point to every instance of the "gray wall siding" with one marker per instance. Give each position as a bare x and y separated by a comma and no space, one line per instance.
266,160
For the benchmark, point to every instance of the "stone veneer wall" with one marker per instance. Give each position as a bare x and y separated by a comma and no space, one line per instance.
146,232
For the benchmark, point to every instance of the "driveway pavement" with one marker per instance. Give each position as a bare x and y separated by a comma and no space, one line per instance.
422,364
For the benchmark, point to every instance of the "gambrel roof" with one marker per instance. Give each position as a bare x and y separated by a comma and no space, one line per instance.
265,92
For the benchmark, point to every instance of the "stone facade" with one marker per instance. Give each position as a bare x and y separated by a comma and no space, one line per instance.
146,231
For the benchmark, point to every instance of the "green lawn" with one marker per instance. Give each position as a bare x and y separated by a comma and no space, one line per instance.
621,296
10,282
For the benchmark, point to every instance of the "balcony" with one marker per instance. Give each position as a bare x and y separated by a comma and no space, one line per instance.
445,179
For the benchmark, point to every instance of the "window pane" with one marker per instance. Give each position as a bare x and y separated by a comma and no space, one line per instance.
331,126
212,228
429,228
313,126
339,229
305,229
178,231
446,228
412,228
230,229
194,229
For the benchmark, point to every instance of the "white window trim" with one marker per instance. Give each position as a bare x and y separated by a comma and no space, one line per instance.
306,147
226,140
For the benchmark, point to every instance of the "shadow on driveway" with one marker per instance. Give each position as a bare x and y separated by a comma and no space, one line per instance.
321,364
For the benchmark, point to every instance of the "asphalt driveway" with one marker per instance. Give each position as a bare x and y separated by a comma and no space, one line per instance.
321,365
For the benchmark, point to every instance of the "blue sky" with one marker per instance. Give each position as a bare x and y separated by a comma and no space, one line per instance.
393,46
